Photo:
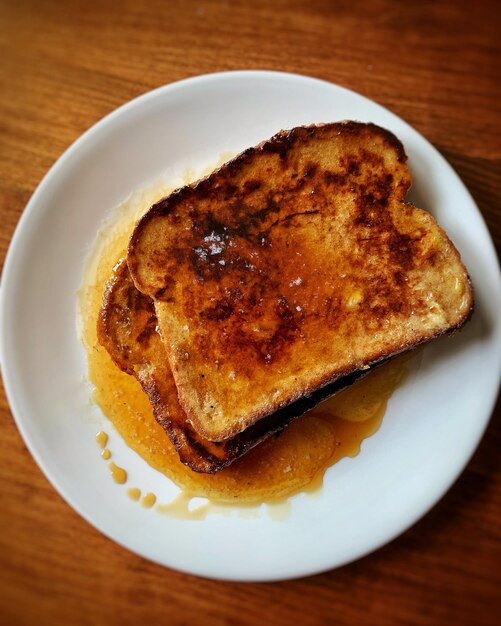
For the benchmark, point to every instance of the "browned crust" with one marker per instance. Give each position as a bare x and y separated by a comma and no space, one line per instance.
330,379
326,382
152,372
281,144
195,451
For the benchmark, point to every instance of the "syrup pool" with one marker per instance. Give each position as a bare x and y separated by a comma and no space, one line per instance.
294,461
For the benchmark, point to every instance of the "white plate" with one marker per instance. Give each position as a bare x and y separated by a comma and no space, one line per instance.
433,423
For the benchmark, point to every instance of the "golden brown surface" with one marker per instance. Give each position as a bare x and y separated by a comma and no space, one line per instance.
295,264
282,466
62,68
127,329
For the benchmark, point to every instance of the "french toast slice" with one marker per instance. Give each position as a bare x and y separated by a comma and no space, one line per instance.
295,264
127,328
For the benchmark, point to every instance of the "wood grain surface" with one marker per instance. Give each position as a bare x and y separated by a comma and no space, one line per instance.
63,66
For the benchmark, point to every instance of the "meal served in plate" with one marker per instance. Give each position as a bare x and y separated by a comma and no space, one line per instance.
248,297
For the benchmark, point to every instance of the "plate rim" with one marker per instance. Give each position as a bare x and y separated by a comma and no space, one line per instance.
9,271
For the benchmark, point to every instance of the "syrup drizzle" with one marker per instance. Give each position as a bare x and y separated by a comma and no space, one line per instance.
277,469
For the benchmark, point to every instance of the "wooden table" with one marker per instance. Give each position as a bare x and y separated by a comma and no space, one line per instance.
63,66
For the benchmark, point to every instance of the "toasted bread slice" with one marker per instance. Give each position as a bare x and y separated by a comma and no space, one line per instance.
295,264
127,329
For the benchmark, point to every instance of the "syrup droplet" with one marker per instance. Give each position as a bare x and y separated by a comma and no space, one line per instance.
148,500
134,493
102,439
118,474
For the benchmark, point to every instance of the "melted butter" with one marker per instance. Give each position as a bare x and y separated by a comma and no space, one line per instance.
118,474
293,462
106,454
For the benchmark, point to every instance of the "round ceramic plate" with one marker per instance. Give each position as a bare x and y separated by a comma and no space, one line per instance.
433,423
